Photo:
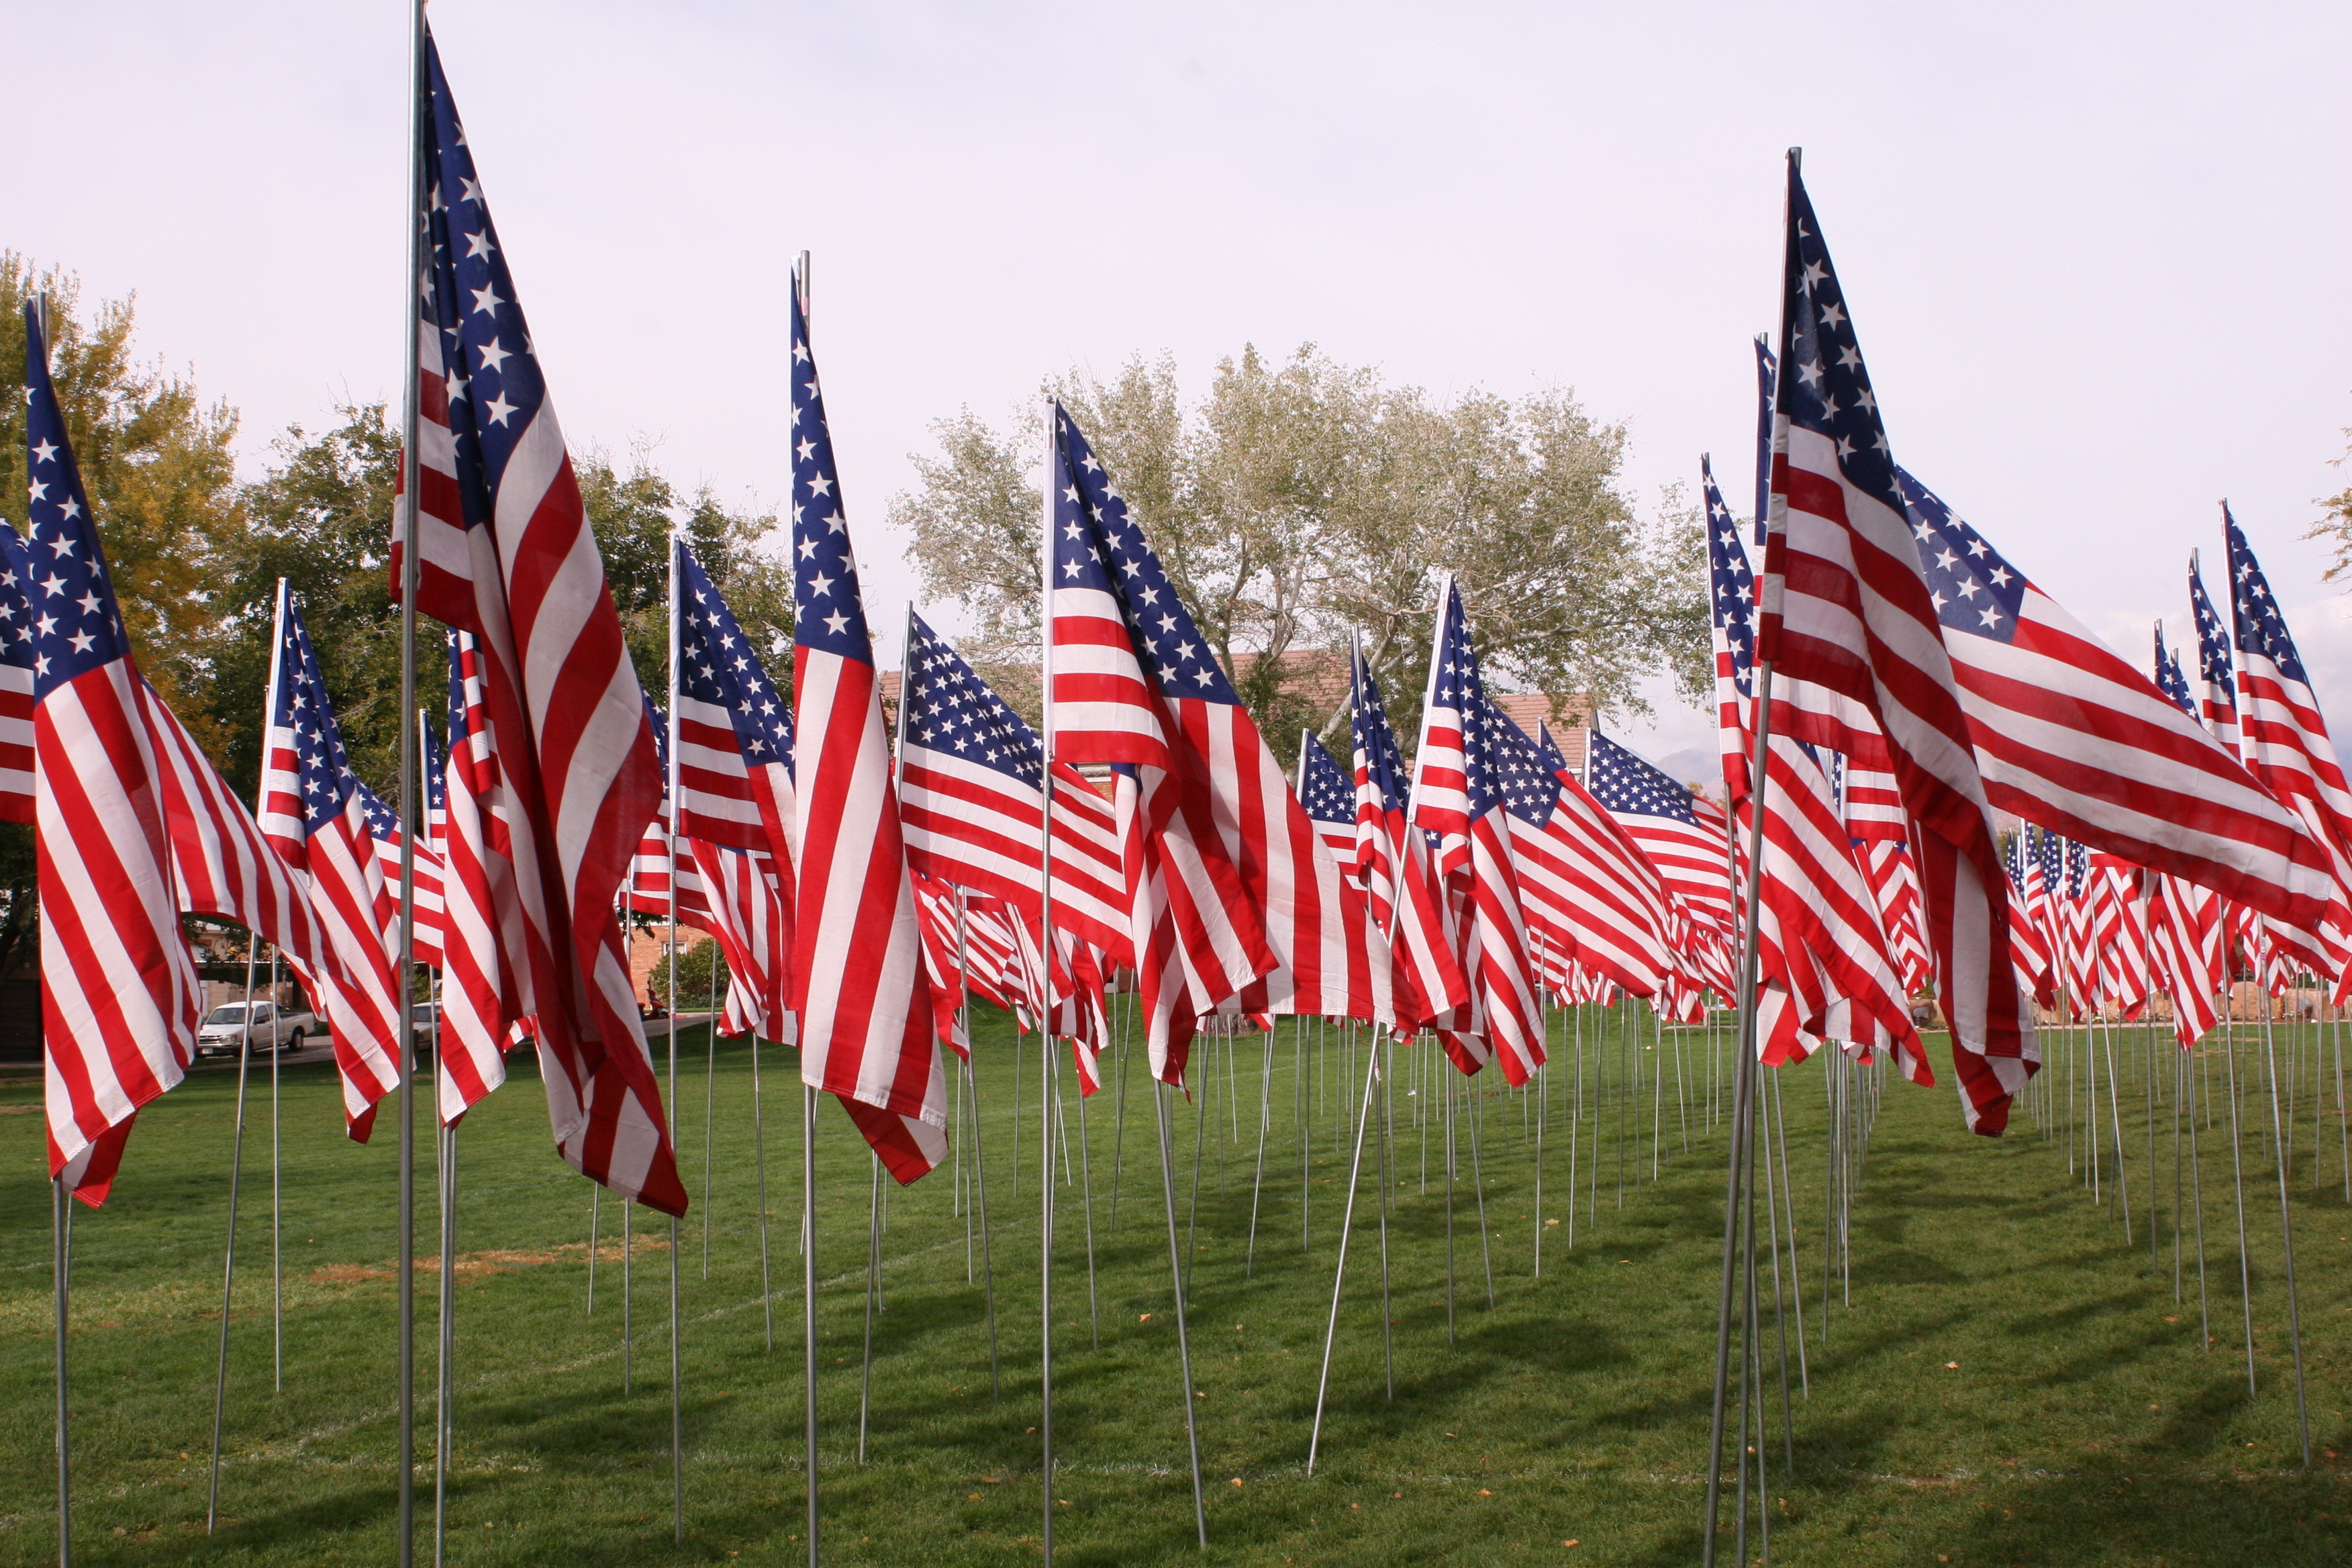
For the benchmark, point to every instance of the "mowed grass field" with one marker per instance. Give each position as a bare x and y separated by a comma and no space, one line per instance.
2012,1382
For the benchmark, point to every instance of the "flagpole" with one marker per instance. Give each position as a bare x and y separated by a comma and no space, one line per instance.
677,1395
978,1164
243,1061
808,1169
61,1240
405,789
1744,1072
1044,1021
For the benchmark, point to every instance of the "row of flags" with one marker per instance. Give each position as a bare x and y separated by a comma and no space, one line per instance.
861,890
1920,684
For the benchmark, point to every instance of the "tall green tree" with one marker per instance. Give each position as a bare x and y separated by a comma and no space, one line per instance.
1301,502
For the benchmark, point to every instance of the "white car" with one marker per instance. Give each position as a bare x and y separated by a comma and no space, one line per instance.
222,1033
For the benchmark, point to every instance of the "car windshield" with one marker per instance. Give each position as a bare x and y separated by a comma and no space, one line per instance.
420,1015
232,1013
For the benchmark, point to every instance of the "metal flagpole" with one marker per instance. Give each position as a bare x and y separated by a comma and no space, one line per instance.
445,1422
1118,1140
1384,1052
873,1271
759,1168
228,1259
276,1209
60,1238
1086,1188
677,1394
596,1217
409,801
979,1166
1046,1003
1184,1342
2286,1242
710,1105
2238,1179
1339,1271
808,1298
1257,1177
808,1174
1744,1082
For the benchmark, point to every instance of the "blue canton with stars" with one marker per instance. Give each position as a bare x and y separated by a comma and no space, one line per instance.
828,613
948,708
2213,637
1455,683
16,609
299,704
718,665
1094,536
2049,849
2169,678
77,624
2254,614
1530,787
2078,868
1374,740
457,717
1973,589
1734,583
492,372
1824,387
1624,781
1323,789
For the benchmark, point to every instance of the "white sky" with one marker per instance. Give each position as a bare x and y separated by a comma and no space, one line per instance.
2097,254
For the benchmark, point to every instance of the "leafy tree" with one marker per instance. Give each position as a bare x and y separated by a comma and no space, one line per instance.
156,461
2336,524
701,974
1302,502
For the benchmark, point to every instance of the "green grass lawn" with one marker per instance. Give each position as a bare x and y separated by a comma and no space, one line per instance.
2082,1422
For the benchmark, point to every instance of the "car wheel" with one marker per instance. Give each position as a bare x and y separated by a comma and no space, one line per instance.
293,1043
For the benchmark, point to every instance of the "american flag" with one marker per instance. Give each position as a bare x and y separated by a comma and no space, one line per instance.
734,733
2184,921
1656,813
2028,952
1767,389
1872,802
1461,795
940,907
2119,935
385,831
1587,885
15,678
2215,667
736,897
486,983
1732,589
505,553
312,816
1848,613
119,992
2069,735
1329,800
1823,955
1392,864
1135,682
2286,744
969,794
858,987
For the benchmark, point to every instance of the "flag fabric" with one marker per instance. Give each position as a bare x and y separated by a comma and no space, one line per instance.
119,991
2028,952
2069,735
1465,767
2286,744
17,657
1848,613
736,897
1330,799
1732,617
1393,865
2184,921
2216,668
1692,857
937,904
1135,683
859,987
1823,968
486,974
506,553
970,797
312,816
734,731
385,833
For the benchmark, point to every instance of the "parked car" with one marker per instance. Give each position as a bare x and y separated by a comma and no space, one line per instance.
222,1033
423,1031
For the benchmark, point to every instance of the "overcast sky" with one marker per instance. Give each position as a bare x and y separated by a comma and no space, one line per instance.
2096,255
